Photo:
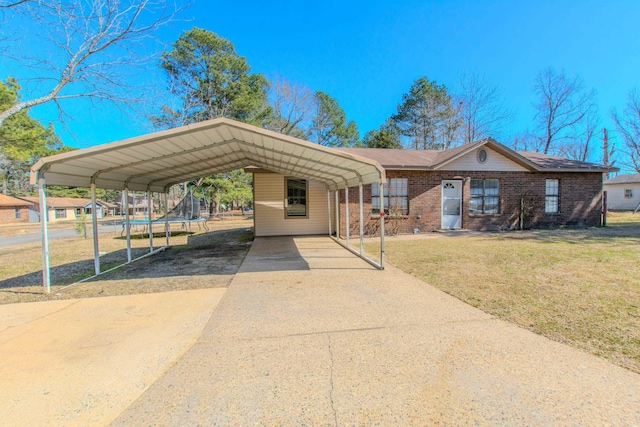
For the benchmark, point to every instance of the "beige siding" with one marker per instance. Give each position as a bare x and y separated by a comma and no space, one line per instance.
616,199
269,208
494,162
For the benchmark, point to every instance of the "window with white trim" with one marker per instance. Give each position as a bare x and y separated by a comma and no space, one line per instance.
395,197
552,196
628,193
484,196
296,203
61,213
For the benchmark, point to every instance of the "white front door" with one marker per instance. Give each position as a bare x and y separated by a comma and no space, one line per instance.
451,204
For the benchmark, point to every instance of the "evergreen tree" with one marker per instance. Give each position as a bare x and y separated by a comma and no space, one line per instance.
23,140
427,117
388,136
329,126
210,80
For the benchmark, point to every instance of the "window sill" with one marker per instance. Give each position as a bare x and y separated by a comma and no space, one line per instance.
376,216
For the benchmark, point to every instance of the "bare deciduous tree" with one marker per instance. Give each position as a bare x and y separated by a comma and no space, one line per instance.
292,106
9,4
89,45
627,125
585,135
482,109
563,105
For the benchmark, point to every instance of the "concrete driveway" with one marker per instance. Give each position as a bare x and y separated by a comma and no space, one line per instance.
308,334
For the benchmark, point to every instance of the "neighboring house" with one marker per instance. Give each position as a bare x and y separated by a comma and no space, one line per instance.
623,192
138,205
13,210
63,208
483,185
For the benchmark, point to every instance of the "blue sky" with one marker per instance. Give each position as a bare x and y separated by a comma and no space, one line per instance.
367,54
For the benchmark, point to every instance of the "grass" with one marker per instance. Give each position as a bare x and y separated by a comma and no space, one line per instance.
577,286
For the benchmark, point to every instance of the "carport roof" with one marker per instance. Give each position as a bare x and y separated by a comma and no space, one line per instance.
155,161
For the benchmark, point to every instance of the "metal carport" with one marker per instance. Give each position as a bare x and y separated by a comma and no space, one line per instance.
156,161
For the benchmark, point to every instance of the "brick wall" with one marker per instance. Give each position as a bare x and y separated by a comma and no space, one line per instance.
580,200
7,215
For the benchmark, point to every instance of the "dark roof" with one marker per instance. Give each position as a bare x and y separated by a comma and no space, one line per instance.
433,159
624,179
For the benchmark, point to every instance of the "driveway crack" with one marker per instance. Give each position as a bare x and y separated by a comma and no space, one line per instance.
335,414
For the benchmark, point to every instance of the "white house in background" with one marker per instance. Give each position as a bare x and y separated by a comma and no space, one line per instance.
623,192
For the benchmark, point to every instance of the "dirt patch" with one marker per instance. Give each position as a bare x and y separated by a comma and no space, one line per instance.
199,260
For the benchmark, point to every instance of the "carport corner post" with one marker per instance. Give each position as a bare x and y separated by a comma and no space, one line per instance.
46,270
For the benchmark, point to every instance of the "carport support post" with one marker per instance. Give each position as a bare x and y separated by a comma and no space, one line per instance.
46,271
149,209
361,221
166,217
382,225
337,214
127,224
94,222
329,209
346,212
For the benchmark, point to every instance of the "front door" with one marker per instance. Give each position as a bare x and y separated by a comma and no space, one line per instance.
451,204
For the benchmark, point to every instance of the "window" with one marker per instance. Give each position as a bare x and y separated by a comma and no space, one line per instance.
61,213
16,213
485,196
395,197
296,203
551,204
628,193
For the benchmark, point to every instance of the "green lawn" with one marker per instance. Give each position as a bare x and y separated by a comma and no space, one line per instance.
577,286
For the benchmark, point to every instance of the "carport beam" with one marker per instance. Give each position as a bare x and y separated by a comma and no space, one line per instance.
94,222
127,223
346,212
46,270
149,208
361,221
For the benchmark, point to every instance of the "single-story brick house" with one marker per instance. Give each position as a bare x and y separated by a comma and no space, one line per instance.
62,208
13,210
483,185
623,192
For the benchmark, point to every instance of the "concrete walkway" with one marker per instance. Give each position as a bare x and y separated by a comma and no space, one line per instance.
82,362
308,334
